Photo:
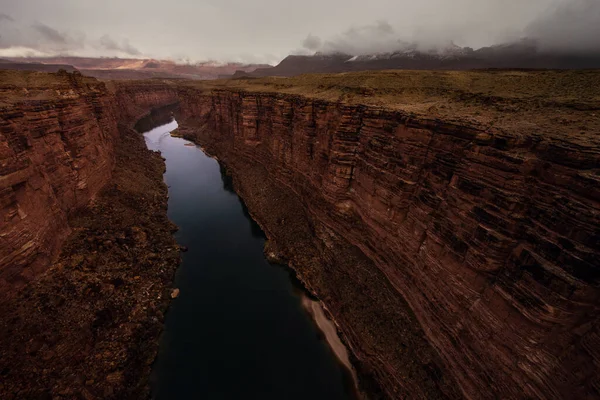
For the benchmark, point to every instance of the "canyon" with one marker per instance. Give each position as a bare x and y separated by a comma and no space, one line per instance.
87,250
449,221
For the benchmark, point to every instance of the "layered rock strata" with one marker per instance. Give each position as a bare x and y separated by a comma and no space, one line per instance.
89,198
458,259
56,152
490,236
58,134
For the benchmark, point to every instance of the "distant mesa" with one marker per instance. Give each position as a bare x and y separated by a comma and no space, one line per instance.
126,68
34,66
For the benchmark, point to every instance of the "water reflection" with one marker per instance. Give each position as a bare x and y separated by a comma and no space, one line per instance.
156,118
239,329
227,181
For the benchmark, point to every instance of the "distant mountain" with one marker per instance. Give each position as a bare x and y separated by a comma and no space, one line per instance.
523,54
124,68
34,66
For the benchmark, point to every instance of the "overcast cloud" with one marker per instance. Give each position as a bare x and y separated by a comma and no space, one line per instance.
6,17
570,26
268,30
111,45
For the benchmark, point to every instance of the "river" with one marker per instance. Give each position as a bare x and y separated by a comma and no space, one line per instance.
240,328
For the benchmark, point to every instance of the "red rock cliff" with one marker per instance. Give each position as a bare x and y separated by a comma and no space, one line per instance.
56,153
80,316
57,136
450,255
492,237
135,99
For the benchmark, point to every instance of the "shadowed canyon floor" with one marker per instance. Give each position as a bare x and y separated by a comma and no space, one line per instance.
237,317
87,326
449,221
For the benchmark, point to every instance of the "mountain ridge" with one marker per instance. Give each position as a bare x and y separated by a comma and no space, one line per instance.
523,54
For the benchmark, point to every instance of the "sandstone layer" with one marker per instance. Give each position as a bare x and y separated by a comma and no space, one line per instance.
449,221
453,233
89,198
56,152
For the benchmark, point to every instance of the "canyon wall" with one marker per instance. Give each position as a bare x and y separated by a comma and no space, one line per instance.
457,261
136,99
491,237
56,152
87,253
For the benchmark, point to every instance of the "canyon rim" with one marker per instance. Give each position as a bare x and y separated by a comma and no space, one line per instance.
448,221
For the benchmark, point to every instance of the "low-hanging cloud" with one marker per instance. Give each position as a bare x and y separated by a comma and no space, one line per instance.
570,27
257,30
108,43
379,37
50,34
312,43
40,39
6,17
358,40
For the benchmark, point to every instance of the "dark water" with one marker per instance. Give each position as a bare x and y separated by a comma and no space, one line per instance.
238,329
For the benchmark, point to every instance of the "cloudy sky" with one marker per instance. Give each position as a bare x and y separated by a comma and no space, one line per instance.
268,30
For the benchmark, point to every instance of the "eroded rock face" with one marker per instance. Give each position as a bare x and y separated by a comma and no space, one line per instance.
88,198
135,100
457,261
56,153
491,238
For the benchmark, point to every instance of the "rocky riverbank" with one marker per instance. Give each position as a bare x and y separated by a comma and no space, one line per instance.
448,220
88,327
438,223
